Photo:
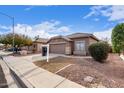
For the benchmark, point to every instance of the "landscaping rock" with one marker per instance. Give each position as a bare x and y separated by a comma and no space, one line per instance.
23,52
88,79
100,85
94,85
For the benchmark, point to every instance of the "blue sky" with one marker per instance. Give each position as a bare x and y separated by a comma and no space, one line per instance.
61,20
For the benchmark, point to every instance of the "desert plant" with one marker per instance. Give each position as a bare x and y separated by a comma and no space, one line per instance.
99,51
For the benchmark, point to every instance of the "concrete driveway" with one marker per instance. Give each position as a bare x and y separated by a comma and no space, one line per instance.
38,57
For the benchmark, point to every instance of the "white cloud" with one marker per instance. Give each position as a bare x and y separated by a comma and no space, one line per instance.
63,29
45,29
114,13
103,35
29,8
96,10
117,13
4,27
122,21
1,33
88,15
96,19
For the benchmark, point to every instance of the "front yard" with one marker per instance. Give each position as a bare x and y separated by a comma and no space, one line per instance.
55,64
109,74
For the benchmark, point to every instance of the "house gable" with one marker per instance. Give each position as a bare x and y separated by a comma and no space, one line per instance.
57,40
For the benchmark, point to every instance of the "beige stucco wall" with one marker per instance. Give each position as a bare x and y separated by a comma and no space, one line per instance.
86,44
91,41
68,48
88,41
38,47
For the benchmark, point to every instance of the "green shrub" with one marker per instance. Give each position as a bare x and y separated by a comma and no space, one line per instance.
99,51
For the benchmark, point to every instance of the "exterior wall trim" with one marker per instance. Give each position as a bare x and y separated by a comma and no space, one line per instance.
58,43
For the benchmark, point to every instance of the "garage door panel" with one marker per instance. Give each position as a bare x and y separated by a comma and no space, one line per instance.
57,48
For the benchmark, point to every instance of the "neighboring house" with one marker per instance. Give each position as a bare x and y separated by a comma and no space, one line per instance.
76,44
2,46
37,44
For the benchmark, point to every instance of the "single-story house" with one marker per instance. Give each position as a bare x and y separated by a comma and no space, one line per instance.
37,44
74,44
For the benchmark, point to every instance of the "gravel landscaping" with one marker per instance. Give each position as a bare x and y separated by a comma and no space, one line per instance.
88,72
3,83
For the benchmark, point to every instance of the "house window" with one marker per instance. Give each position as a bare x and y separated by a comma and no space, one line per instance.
79,45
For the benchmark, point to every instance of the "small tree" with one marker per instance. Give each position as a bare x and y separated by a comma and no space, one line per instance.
118,38
19,40
99,51
27,41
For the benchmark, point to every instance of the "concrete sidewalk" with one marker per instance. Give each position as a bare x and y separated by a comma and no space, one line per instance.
34,76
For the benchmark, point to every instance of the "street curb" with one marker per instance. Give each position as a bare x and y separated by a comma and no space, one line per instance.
20,78
22,81
8,75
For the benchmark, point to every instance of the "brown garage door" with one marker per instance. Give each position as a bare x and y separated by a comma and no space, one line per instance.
57,48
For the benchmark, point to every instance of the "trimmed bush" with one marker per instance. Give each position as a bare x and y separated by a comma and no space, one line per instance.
99,51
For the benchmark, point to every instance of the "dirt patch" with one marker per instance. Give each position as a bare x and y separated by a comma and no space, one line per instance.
54,65
3,82
109,74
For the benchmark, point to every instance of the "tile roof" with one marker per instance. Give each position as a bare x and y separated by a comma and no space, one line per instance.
64,37
68,37
77,35
41,40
